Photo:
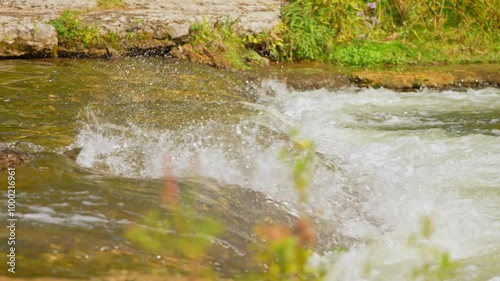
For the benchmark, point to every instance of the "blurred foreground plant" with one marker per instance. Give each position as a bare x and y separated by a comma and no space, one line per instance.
436,263
289,250
178,233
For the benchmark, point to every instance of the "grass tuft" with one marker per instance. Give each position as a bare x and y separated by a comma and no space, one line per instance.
219,45
110,4
72,31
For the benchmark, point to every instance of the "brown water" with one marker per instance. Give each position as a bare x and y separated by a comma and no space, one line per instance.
72,219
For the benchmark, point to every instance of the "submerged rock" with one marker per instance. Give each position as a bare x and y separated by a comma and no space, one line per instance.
12,159
73,153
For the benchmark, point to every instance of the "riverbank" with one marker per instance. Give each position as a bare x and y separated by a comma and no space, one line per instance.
86,28
237,35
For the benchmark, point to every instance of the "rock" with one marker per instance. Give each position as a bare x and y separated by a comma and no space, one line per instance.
435,78
28,36
73,153
402,80
176,30
12,159
49,4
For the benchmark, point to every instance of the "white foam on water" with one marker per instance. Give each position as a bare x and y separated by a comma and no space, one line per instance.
411,174
67,220
388,179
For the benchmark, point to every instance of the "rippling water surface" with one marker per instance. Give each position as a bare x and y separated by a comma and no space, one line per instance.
390,164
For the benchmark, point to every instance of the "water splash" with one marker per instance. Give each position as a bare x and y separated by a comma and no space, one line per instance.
395,157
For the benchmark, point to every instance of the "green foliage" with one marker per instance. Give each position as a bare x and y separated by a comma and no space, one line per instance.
179,234
431,18
110,4
436,263
363,32
314,27
302,159
72,30
268,44
287,259
219,45
373,54
352,32
288,250
309,31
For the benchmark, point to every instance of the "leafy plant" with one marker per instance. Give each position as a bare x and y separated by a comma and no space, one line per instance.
373,54
436,263
267,44
356,32
71,30
179,233
288,250
218,45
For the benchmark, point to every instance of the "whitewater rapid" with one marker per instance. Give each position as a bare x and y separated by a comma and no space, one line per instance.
401,160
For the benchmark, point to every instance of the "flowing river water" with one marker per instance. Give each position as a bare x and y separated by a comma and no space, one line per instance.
403,179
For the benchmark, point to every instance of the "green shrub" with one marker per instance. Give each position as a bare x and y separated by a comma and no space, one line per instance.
71,30
363,32
219,45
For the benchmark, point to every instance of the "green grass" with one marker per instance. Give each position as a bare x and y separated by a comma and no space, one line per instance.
110,4
360,32
373,54
72,31
219,45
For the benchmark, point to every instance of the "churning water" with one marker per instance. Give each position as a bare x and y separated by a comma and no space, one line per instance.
403,180
391,162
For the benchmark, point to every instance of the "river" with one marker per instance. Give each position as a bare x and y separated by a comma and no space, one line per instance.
403,179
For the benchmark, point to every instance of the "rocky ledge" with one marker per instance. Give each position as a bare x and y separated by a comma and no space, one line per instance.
136,25
432,77
303,76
